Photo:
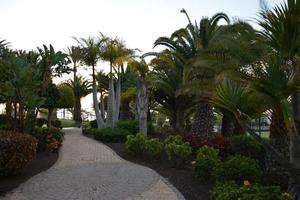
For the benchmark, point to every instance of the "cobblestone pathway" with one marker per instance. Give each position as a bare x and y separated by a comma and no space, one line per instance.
89,170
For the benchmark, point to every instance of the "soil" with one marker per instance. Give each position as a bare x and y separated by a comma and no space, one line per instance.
180,176
42,162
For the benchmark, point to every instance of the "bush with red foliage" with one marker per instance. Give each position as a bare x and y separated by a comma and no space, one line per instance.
16,151
222,143
217,141
196,141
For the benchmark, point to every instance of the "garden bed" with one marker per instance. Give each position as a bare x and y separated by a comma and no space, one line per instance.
42,162
182,178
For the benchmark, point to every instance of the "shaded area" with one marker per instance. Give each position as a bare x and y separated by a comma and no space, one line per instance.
43,161
182,178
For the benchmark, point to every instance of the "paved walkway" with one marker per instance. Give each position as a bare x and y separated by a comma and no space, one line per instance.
89,170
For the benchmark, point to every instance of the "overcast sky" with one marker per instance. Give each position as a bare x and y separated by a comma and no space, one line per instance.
27,24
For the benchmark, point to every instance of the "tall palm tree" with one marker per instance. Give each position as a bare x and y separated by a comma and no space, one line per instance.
80,87
188,43
52,63
142,69
167,79
74,53
90,55
280,29
116,54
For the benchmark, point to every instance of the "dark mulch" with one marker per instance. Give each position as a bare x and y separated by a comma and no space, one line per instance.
43,161
183,177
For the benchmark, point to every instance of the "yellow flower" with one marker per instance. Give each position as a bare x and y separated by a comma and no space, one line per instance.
247,183
194,162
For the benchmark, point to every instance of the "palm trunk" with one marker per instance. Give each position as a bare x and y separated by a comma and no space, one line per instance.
125,110
100,122
227,126
117,100
77,110
8,111
280,141
21,116
142,105
294,186
102,106
50,111
179,123
203,119
111,100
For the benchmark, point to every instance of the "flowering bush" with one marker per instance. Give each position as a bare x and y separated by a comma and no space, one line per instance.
233,191
49,139
16,151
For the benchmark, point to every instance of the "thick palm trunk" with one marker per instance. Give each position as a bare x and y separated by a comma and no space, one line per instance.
125,110
102,106
49,117
100,122
280,141
142,105
294,188
203,119
227,126
8,111
111,100
111,104
179,122
77,110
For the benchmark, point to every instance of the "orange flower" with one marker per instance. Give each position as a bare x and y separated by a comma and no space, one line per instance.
247,183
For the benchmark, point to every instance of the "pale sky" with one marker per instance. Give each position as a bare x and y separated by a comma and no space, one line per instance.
27,24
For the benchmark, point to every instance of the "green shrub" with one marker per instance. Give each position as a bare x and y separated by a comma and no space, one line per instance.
136,144
93,124
41,121
16,151
178,151
176,139
247,146
110,134
154,146
206,162
233,191
238,168
130,125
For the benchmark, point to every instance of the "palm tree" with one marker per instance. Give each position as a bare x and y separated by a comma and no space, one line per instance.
282,33
166,80
51,64
188,43
80,87
75,55
116,54
142,69
90,55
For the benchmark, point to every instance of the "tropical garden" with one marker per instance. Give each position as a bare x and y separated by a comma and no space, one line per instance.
161,109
